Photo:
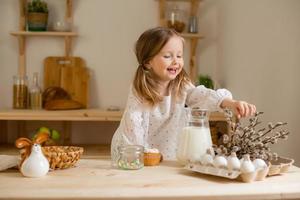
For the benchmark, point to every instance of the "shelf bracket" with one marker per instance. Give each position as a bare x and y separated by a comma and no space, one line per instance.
67,132
3,132
22,56
68,46
21,129
194,7
193,67
69,13
162,7
22,20
21,39
69,19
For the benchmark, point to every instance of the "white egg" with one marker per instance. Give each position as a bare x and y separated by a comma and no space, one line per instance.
233,163
247,165
207,159
220,162
259,164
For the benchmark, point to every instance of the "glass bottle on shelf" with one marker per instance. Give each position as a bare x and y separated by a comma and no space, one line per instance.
193,24
20,92
35,93
195,138
176,18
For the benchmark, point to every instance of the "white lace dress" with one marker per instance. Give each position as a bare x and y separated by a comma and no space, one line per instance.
159,127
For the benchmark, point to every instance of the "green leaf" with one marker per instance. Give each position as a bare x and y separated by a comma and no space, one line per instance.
37,6
55,134
206,81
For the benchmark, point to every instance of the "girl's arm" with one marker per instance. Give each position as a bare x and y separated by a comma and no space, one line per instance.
205,98
212,100
133,123
240,108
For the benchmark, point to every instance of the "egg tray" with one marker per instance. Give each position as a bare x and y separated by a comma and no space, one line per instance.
281,165
257,175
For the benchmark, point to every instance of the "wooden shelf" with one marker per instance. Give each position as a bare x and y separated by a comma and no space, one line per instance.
184,0
189,1
43,33
192,35
65,115
74,115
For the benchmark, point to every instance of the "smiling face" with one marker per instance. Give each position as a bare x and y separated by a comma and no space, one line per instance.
160,70
168,63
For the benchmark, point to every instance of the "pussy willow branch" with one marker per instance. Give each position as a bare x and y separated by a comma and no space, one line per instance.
246,140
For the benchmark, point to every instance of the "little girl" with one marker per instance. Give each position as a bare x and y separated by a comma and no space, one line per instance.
153,116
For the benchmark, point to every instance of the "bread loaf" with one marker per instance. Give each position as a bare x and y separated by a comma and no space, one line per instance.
62,104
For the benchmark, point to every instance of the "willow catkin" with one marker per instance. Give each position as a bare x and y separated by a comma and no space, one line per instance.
247,140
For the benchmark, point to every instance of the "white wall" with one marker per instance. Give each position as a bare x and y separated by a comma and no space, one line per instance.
259,60
252,47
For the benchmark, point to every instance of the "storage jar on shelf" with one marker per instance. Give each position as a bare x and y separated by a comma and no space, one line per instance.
35,94
176,18
20,92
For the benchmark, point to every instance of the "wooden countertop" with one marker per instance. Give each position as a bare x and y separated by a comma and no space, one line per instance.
95,179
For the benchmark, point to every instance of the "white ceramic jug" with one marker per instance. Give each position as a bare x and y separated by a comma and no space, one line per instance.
36,165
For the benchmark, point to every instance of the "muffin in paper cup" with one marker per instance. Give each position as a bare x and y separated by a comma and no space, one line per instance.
152,157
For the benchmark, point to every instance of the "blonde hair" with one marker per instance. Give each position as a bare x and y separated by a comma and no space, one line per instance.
147,46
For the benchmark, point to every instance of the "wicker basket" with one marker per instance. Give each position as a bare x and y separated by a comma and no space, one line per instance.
62,157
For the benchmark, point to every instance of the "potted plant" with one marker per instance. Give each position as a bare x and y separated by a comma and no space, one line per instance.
206,81
37,15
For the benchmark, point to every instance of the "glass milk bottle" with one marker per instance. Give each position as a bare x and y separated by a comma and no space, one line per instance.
35,93
195,137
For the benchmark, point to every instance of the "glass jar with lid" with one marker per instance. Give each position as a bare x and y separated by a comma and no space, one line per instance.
176,18
131,157
195,138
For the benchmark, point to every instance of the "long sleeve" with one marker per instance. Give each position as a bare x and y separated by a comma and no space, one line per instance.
132,124
205,98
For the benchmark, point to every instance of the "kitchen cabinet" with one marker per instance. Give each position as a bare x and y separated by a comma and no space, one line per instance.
194,38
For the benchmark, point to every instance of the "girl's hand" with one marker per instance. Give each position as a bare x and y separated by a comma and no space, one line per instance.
240,108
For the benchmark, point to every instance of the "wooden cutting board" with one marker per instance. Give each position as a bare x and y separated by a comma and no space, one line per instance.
70,73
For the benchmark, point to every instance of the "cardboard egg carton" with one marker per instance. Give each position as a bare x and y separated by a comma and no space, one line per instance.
257,175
